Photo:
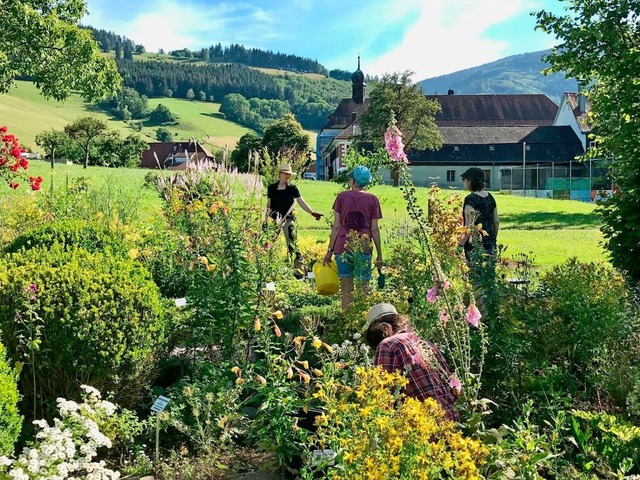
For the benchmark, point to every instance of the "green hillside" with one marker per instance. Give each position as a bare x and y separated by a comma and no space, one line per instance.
27,113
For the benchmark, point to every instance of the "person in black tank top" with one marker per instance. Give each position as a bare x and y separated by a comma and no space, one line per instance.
479,208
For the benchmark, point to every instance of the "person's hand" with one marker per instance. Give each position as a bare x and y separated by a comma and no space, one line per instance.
327,258
316,215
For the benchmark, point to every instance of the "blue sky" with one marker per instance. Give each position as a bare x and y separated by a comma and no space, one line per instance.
428,37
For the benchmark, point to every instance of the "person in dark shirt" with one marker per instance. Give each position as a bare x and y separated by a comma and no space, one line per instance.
281,198
479,208
399,349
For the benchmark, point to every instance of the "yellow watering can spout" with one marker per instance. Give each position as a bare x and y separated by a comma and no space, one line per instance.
326,276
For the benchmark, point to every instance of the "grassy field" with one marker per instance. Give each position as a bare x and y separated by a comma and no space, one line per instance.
28,113
549,230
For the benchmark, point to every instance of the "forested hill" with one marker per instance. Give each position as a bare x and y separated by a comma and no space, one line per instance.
235,53
514,74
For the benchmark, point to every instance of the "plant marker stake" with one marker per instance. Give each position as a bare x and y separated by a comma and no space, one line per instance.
158,406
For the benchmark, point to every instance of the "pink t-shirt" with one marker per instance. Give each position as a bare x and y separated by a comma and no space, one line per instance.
356,209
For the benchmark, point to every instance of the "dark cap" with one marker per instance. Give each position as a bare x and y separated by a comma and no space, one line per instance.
473,173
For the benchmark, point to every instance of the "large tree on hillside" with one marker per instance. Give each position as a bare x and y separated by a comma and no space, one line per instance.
285,134
415,115
600,41
50,141
84,133
40,39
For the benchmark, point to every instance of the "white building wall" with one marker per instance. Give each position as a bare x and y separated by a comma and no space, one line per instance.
423,175
565,116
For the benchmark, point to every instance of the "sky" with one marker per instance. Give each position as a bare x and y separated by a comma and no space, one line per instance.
427,37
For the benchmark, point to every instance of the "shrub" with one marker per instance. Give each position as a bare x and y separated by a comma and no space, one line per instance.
10,419
102,321
70,234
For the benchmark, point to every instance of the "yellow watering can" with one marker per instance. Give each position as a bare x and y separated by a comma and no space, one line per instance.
326,276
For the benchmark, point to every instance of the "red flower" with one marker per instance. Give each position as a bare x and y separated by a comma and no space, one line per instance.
14,185
3,129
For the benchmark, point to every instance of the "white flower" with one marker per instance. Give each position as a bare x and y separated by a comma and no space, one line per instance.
357,335
5,461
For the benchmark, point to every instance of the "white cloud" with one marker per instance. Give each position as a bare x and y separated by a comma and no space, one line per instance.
449,36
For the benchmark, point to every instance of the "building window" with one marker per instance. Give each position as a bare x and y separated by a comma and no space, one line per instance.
492,148
451,175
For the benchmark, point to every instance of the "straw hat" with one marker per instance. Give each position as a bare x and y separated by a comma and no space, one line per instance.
286,168
380,310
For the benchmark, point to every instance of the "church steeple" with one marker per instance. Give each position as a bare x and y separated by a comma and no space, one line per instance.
358,85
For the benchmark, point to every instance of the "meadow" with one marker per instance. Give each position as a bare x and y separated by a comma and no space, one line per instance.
27,113
551,231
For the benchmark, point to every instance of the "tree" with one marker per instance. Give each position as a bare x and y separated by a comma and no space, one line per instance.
50,141
163,135
599,47
287,134
190,94
415,115
162,115
84,132
41,40
247,144
115,151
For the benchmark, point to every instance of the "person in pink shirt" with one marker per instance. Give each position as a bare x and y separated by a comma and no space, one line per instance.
355,211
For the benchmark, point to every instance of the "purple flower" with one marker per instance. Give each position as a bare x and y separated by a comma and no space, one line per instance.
455,384
33,287
444,317
393,144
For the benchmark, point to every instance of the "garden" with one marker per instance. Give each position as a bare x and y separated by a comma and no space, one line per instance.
180,344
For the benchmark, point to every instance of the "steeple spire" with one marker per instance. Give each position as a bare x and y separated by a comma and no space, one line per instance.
358,85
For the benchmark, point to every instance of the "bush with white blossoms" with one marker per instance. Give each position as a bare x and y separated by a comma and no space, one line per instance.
67,449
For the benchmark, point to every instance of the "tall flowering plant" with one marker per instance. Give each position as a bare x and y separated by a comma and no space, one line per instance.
458,322
11,161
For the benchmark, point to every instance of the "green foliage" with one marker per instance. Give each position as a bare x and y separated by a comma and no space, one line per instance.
605,444
248,145
285,134
59,56
163,135
103,321
50,141
161,115
206,408
397,95
85,132
10,419
599,47
69,234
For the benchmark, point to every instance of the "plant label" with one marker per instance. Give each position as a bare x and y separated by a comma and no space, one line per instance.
160,404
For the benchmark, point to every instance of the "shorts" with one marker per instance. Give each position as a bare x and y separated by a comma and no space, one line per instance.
354,265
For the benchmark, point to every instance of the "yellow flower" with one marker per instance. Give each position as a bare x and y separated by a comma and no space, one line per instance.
317,343
297,340
134,253
239,381
277,314
328,347
261,379
317,373
304,363
236,370
256,324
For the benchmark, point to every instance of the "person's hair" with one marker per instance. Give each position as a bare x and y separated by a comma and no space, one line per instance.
475,184
384,327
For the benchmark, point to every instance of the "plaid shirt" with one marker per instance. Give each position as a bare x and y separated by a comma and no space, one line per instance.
425,368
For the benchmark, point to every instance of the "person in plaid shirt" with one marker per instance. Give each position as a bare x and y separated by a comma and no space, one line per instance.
398,348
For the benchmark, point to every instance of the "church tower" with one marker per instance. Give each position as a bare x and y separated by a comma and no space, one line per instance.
358,85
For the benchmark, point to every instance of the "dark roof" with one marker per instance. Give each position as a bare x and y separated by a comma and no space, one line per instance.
504,135
500,110
341,118
164,150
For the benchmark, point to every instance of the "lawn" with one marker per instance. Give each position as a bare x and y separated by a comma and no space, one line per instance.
550,230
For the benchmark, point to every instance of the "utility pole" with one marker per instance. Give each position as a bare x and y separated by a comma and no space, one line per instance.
524,164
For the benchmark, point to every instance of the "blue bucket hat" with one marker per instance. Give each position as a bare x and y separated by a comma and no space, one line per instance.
361,175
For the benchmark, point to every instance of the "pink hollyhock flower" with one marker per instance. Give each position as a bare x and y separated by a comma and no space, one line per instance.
432,293
446,285
473,314
393,144
455,384
444,317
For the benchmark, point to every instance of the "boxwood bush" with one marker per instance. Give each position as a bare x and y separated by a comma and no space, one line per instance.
10,419
103,321
70,234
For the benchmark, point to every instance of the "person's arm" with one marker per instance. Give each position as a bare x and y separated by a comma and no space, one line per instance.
335,229
375,235
469,214
496,222
305,206
385,358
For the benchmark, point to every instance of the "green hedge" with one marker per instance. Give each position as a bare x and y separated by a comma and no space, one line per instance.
71,234
103,321
10,419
